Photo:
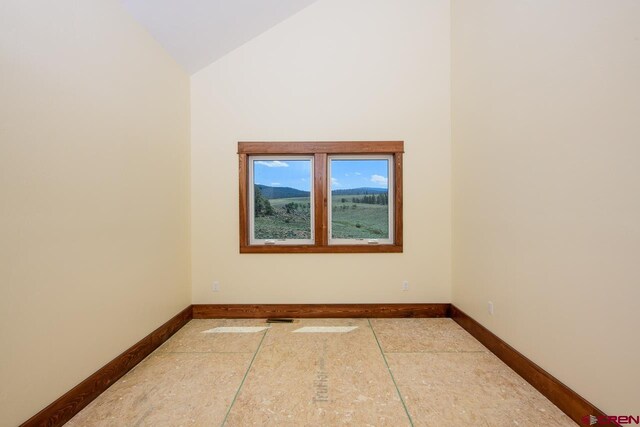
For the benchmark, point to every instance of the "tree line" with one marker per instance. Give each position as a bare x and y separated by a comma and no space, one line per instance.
373,199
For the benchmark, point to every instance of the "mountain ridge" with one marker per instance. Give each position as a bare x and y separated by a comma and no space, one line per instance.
269,192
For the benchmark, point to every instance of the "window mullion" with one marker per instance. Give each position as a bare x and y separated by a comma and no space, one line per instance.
320,202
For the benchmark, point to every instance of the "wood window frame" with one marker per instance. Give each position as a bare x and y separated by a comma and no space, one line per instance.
320,151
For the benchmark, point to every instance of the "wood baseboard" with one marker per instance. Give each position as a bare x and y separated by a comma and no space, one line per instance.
569,402
262,311
63,409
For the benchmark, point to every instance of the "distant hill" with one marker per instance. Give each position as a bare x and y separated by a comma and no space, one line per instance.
287,192
281,192
361,190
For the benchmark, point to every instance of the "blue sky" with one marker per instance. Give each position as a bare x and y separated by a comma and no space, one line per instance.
345,174
283,173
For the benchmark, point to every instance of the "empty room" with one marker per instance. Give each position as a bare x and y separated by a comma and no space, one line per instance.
319,213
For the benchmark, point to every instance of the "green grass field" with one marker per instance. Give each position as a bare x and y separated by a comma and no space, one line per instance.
292,223
349,220
358,220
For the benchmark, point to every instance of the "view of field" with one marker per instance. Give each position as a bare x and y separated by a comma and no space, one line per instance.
359,220
359,197
360,214
290,219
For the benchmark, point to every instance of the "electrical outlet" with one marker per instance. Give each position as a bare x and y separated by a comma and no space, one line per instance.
216,286
405,285
490,308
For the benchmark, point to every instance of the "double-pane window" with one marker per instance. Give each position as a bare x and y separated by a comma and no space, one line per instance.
320,197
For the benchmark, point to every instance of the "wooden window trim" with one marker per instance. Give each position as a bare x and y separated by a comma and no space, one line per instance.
320,151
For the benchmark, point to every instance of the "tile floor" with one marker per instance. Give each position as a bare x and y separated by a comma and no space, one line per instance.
386,372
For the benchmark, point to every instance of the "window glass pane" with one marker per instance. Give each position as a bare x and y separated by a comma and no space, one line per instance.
282,199
359,198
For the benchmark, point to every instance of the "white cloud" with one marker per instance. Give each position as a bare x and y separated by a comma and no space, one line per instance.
335,182
357,173
379,179
273,164
275,184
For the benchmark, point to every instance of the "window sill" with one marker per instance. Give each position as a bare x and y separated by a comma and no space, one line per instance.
316,249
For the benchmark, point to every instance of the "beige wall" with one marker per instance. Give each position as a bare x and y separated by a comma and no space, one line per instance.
94,177
546,173
338,70
94,156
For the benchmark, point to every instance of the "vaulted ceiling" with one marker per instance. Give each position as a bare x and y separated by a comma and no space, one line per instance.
198,32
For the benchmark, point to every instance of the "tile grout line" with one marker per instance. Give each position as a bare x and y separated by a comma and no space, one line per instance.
404,405
243,378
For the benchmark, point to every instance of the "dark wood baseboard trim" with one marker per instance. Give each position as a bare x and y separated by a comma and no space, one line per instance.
569,402
262,311
63,409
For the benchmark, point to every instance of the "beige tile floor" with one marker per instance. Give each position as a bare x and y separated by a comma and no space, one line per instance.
386,372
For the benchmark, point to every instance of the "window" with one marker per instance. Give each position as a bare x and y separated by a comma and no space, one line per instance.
307,197
280,200
361,187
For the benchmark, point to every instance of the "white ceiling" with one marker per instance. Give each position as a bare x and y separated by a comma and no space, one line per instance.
198,32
